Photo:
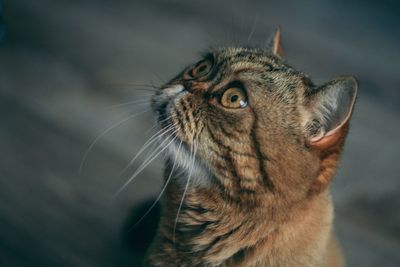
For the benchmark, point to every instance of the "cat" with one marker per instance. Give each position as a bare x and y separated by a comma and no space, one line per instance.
253,145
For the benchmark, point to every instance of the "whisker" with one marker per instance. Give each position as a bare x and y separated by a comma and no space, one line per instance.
157,123
138,86
143,166
104,133
162,190
139,101
253,29
193,149
155,146
148,131
151,140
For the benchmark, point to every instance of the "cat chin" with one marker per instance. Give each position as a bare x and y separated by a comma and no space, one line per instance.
189,170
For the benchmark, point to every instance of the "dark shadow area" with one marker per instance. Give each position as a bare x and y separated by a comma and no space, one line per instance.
139,230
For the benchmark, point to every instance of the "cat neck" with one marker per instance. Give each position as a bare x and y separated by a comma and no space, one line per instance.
208,228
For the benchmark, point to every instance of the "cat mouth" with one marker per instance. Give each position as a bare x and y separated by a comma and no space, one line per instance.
163,101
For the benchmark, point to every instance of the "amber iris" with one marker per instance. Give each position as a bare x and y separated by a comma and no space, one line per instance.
234,98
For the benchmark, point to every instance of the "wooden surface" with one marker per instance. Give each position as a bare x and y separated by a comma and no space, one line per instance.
65,64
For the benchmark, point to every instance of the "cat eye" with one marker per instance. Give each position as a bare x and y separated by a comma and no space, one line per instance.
234,97
201,69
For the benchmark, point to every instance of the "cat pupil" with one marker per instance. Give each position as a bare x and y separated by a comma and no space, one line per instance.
234,98
202,68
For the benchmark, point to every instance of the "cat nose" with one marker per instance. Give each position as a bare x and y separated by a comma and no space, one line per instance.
173,90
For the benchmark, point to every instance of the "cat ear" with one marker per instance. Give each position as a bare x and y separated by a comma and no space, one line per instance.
331,108
276,44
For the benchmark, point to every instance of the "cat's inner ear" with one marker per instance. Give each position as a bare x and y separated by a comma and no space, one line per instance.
276,44
331,106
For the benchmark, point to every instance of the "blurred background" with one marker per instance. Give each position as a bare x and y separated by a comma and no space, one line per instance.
67,66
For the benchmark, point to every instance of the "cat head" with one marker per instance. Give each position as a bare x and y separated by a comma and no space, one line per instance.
254,124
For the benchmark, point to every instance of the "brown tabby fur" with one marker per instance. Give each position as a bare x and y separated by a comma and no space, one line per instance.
266,200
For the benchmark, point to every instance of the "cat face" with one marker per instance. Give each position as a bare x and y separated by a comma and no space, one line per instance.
254,123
